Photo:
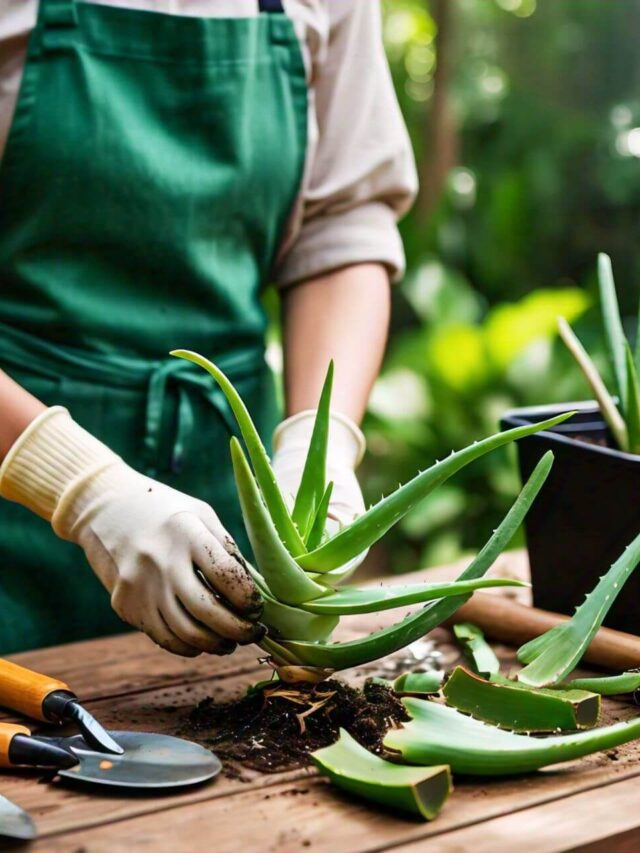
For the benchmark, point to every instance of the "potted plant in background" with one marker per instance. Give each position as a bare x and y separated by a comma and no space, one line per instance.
590,505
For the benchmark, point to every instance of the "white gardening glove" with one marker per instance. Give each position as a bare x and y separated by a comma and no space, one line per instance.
345,449
171,568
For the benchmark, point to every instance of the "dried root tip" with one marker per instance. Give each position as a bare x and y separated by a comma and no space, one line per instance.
310,674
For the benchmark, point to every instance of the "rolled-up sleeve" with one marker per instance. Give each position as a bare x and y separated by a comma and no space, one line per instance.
360,176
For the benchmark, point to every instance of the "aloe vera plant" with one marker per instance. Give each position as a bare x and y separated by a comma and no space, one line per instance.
437,734
298,566
622,417
519,708
417,790
553,655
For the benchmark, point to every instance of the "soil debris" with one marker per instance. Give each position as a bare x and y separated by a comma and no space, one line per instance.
274,728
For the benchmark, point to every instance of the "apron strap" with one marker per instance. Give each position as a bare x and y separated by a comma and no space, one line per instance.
271,6
57,13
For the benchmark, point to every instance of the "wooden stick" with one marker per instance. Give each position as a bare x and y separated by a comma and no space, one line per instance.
503,619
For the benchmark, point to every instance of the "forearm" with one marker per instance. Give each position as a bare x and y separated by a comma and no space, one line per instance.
17,409
342,316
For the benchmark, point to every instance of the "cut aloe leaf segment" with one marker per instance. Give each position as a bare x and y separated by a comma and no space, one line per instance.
418,683
438,734
478,652
418,790
513,706
552,656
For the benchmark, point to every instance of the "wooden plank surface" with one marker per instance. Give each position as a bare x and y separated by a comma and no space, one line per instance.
130,684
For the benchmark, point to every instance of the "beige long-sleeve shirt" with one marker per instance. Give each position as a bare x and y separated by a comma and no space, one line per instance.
359,175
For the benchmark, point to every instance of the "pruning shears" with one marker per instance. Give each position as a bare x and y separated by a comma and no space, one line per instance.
51,701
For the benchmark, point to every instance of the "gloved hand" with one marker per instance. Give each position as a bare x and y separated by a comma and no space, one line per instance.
345,449
171,568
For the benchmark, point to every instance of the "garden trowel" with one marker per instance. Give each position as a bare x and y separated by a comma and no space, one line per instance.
15,822
147,760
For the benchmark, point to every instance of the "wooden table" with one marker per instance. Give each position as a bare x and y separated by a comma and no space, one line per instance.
128,683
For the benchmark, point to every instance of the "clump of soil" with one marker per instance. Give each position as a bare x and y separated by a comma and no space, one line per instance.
275,727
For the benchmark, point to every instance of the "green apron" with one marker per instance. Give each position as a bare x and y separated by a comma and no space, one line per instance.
149,172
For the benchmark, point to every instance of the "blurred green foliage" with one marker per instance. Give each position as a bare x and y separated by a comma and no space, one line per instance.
542,154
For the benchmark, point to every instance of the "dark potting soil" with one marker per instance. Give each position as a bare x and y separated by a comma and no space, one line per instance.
277,726
598,441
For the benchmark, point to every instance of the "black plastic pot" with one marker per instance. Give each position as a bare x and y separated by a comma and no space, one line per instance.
585,515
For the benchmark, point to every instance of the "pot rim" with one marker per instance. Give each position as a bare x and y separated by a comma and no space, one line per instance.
522,417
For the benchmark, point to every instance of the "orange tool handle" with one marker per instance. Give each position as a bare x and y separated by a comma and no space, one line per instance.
7,733
503,619
24,691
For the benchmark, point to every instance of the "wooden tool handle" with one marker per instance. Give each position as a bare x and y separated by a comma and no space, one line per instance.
504,619
7,733
24,691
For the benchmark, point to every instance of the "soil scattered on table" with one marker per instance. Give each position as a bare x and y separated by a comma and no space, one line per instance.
274,728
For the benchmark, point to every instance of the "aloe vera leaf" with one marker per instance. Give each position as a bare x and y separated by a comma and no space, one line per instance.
312,485
613,331
316,531
257,453
633,403
417,790
504,703
477,651
438,734
368,528
294,623
553,655
605,401
373,599
356,652
636,354
286,580
607,685
418,683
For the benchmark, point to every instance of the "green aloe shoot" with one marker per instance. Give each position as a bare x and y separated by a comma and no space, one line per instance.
298,579
284,577
316,532
312,485
623,418
513,706
633,402
477,651
420,791
555,654
373,599
607,685
612,322
257,453
438,734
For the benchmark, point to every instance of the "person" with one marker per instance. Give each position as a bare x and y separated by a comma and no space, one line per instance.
163,161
